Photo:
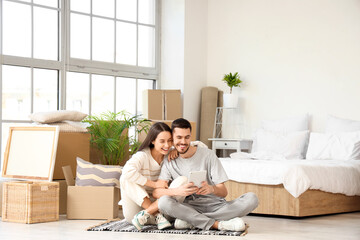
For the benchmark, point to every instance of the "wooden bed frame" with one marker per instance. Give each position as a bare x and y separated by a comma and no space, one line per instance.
275,200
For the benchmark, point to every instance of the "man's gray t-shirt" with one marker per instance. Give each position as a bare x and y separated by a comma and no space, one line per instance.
203,159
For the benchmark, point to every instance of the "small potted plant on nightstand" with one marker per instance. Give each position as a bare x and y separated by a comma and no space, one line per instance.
232,80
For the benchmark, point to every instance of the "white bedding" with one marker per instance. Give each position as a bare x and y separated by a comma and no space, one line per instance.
297,176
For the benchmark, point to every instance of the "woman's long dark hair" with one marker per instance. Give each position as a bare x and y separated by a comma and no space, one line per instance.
153,133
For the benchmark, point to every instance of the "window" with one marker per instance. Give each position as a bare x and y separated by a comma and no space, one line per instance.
86,55
120,31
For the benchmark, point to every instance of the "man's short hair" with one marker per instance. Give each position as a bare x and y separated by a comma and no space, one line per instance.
180,123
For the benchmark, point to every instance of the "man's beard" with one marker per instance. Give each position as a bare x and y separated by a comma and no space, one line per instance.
187,149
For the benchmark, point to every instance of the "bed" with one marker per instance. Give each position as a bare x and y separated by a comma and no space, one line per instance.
295,172
296,188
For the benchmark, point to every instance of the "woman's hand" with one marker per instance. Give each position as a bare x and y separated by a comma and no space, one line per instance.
173,154
156,184
161,184
205,189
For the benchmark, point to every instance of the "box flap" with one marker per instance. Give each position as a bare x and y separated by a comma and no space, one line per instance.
69,177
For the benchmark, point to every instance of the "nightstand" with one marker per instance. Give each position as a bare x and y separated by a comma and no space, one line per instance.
231,144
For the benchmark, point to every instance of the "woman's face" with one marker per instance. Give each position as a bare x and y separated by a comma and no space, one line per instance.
163,142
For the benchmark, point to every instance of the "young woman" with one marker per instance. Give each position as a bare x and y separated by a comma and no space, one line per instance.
139,178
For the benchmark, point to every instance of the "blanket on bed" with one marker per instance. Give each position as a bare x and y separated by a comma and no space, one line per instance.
297,176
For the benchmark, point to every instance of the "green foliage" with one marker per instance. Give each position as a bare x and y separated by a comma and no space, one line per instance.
232,80
109,134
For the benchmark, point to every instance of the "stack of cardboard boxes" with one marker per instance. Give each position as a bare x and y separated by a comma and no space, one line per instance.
81,202
163,106
70,146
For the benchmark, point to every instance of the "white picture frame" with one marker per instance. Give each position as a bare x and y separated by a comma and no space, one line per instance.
30,153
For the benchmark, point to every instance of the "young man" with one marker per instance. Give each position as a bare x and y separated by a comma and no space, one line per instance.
203,207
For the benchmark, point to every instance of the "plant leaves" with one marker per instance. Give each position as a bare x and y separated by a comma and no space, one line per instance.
109,133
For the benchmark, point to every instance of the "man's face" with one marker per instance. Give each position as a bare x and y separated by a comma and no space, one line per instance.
182,139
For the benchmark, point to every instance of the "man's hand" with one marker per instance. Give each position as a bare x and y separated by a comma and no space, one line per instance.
161,184
173,154
186,189
205,189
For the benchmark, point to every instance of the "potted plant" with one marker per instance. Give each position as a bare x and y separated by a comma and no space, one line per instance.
109,134
232,80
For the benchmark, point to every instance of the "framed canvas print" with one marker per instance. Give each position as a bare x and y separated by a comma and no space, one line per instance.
30,153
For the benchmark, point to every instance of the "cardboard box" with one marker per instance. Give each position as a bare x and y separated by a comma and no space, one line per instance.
1,190
142,135
173,106
62,196
70,146
90,202
162,104
153,104
30,202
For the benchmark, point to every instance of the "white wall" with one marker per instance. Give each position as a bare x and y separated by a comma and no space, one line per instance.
294,56
195,57
184,51
172,44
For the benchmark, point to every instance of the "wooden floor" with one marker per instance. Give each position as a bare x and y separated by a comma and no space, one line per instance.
337,226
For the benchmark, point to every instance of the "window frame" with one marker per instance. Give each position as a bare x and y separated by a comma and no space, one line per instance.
66,64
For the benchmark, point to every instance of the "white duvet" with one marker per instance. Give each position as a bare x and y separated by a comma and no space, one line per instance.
297,176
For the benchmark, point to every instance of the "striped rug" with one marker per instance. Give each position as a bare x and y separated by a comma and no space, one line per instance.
118,225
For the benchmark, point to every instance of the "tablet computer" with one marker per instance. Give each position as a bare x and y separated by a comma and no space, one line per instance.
197,177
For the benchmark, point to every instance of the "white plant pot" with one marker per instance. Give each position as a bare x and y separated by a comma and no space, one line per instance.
230,100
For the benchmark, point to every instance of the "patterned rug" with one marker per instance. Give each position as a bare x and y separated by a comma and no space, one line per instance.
118,225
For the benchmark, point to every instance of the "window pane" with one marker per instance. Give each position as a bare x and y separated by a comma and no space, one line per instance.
77,92
16,29
142,85
103,40
125,94
16,98
102,94
80,36
103,8
45,33
80,5
45,90
126,10
147,11
146,46
126,43
50,3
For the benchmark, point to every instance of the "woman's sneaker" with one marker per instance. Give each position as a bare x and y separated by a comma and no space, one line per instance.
140,219
234,224
162,222
181,224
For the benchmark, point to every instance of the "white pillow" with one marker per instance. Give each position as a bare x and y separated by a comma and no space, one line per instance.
284,125
334,146
57,116
335,124
290,124
288,145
